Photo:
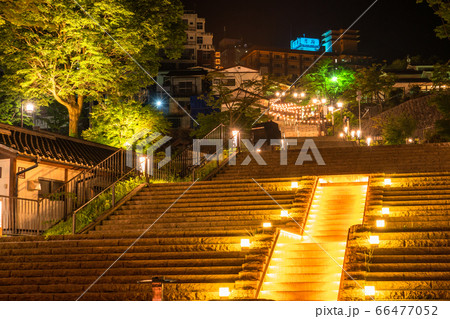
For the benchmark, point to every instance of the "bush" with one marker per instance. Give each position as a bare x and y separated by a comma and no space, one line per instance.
397,129
96,208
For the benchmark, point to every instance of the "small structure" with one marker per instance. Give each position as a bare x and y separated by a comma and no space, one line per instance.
34,164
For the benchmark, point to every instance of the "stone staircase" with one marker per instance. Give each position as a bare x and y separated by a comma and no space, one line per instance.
347,160
309,267
412,259
197,244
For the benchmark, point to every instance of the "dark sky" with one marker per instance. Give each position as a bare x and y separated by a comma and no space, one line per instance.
391,29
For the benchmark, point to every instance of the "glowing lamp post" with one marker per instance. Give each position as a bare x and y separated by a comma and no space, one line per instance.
29,108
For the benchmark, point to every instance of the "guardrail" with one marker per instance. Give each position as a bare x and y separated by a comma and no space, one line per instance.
22,216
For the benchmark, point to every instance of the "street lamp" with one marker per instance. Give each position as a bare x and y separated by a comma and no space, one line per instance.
29,108
331,108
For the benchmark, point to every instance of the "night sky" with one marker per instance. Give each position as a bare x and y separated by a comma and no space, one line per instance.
391,29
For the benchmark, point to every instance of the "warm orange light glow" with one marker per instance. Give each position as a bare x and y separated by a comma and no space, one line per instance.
245,243
284,213
294,185
385,210
267,225
381,223
374,240
369,290
224,292
387,182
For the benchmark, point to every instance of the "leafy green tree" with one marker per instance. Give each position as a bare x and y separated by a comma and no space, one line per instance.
442,103
441,76
374,85
236,107
56,50
442,10
397,129
328,80
115,122
55,117
10,111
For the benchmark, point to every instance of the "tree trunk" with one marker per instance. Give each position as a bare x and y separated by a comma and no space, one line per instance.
74,107
74,117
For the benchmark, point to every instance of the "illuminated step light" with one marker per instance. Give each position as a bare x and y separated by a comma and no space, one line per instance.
385,210
258,150
322,181
374,240
294,185
369,290
224,292
381,223
245,243
267,225
284,213
387,182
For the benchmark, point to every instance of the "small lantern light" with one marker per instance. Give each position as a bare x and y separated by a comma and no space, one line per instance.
224,292
245,243
374,240
381,223
369,290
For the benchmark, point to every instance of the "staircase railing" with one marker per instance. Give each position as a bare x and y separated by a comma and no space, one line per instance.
308,209
182,165
266,266
81,189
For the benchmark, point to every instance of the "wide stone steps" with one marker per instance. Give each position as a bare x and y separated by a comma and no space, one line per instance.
312,295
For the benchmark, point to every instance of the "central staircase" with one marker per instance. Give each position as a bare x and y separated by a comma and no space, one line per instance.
310,267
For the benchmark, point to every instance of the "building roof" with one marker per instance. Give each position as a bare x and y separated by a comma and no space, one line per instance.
238,69
187,72
53,147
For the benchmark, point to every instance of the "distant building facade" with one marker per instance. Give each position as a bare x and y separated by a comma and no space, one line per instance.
341,41
198,49
231,51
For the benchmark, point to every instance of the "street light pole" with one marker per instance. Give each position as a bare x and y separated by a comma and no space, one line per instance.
358,97
21,113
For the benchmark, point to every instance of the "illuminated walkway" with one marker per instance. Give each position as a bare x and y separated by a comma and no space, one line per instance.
310,268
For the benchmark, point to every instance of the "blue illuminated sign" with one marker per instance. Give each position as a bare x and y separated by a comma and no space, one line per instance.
305,44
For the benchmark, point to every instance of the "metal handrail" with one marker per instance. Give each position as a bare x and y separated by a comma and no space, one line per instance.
266,267
86,171
113,204
313,192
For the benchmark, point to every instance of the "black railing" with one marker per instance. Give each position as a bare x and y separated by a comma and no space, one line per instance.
33,217
183,165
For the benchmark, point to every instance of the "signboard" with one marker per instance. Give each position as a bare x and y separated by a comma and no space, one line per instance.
305,44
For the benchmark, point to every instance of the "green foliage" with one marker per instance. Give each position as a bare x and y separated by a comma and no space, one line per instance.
442,10
96,208
236,107
442,103
338,120
397,129
328,80
115,122
441,75
55,50
10,111
56,117
374,85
